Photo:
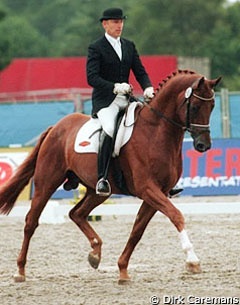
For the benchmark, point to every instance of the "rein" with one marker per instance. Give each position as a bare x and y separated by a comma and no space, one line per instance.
161,115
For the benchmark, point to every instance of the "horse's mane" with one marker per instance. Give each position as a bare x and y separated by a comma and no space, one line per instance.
176,73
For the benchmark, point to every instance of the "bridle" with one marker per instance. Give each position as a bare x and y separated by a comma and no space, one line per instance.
187,100
188,94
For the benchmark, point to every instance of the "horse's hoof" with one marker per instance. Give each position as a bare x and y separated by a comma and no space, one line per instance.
19,278
94,260
124,281
193,267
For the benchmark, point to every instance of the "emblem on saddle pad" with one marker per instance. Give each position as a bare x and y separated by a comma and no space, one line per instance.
84,143
87,139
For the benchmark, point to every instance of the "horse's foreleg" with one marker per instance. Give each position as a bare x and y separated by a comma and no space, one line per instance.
176,217
144,215
164,205
192,261
79,215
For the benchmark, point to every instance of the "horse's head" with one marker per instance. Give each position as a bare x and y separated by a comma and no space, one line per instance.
199,103
185,100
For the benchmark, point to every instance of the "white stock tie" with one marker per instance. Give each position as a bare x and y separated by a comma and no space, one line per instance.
118,49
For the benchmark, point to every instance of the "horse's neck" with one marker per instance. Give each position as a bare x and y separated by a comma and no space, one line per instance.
154,126
161,116
162,109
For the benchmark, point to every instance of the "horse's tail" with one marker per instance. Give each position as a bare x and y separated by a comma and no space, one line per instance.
13,187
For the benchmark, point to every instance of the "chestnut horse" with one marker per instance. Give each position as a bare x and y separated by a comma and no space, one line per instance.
151,163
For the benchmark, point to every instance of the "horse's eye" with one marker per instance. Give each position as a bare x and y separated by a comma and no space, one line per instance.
194,109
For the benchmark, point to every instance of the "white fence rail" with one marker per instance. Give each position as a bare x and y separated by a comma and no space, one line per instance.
55,212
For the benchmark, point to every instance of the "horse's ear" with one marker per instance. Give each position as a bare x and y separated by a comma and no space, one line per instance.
200,82
215,82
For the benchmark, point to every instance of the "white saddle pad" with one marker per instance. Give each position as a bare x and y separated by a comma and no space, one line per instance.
87,139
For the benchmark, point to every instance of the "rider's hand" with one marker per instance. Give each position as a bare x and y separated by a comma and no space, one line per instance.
148,93
122,88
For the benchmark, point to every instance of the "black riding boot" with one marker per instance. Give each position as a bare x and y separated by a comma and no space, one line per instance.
103,187
174,192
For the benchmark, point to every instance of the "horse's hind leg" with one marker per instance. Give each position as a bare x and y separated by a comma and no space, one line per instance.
44,188
79,215
31,223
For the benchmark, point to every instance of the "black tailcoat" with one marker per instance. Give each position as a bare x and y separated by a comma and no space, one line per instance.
104,69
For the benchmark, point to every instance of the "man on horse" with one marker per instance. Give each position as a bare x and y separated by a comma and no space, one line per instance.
110,60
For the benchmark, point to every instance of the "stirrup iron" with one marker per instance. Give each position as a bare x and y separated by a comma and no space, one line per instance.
107,191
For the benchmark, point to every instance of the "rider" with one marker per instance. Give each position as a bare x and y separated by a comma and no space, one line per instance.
110,60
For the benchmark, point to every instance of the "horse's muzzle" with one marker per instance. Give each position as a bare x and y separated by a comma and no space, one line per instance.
202,142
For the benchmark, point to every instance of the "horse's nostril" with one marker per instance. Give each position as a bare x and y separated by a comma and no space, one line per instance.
201,147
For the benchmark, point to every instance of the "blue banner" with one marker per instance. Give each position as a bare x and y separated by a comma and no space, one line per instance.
215,172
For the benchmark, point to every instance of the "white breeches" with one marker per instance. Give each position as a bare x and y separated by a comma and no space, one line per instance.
108,116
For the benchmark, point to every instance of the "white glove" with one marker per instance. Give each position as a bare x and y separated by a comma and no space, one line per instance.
148,93
122,88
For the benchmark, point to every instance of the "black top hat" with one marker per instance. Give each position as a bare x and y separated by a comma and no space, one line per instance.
112,13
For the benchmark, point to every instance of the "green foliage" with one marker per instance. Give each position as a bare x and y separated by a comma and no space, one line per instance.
30,28
20,39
